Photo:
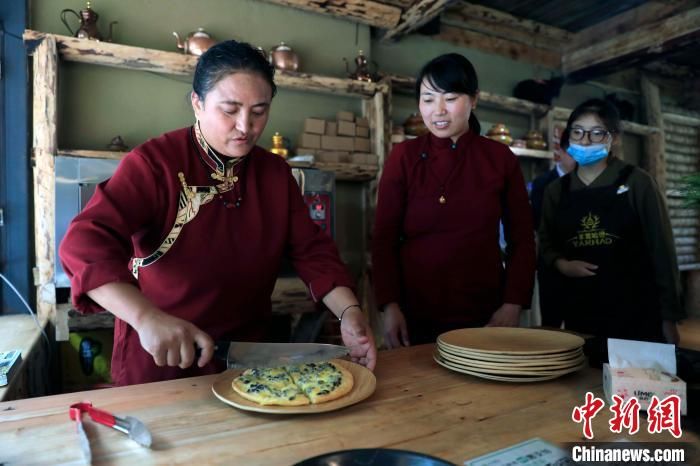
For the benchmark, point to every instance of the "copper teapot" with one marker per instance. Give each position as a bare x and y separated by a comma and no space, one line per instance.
283,57
88,24
362,69
196,43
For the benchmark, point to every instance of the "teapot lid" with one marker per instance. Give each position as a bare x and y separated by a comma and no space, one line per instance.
200,32
282,48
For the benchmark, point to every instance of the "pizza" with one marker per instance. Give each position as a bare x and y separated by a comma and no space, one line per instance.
296,385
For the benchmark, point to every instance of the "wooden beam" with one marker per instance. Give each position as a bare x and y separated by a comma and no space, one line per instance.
655,149
504,47
406,85
44,147
643,44
628,21
364,11
506,26
156,61
419,14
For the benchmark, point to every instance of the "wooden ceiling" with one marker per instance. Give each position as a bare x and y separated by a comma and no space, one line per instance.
581,40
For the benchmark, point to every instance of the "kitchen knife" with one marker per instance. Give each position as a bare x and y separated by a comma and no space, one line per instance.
239,355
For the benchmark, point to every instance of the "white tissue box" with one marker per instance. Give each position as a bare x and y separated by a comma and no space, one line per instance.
642,384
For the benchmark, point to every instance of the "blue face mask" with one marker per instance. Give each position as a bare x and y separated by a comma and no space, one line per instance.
587,155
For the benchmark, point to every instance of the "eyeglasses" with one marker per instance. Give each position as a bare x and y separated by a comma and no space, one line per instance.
594,135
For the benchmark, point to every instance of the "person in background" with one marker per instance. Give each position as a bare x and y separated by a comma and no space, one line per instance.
437,264
183,243
606,232
550,310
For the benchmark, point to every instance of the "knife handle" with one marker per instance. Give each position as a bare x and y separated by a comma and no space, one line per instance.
220,350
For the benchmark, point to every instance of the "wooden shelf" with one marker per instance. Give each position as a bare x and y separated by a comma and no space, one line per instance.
343,171
290,296
174,63
523,152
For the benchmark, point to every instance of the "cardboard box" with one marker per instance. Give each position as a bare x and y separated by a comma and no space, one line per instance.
346,128
643,384
315,126
365,158
345,116
306,151
331,128
333,156
361,121
309,140
362,145
337,143
361,131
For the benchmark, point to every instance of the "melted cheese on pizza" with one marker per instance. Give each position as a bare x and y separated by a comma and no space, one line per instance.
294,385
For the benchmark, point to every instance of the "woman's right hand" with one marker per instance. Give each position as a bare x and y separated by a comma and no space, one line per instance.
171,341
395,329
575,269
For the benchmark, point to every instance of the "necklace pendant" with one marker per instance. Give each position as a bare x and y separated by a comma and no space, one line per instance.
442,200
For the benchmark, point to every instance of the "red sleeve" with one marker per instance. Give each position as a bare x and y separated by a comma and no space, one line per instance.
386,274
520,238
312,251
97,246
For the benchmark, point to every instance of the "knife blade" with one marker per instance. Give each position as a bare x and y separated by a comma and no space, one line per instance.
239,355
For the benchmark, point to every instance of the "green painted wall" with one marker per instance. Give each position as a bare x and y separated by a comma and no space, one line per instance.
97,103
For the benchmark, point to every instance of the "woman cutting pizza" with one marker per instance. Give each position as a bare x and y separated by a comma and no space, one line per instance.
184,242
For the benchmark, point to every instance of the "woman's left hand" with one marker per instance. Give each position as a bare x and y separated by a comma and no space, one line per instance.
508,315
357,335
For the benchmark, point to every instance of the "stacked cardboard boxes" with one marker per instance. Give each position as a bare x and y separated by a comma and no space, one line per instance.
345,140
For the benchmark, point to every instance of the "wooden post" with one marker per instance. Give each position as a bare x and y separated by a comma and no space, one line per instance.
655,143
44,147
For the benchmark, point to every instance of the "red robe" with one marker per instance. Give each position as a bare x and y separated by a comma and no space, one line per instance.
220,272
442,262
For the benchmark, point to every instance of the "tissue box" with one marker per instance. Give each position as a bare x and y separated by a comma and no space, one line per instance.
643,384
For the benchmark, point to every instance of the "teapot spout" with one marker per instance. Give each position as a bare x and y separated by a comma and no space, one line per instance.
179,44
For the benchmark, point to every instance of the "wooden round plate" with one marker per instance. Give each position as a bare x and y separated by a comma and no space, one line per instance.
511,340
532,365
559,358
500,378
364,385
514,371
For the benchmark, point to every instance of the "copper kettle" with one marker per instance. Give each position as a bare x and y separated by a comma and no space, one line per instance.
283,57
362,69
196,43
88,24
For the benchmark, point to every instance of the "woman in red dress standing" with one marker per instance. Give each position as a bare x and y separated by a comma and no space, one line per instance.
437,263
183,243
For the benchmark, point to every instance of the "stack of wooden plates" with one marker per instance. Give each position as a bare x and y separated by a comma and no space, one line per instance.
510,354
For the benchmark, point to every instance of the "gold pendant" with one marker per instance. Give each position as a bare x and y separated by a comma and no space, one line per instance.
442,200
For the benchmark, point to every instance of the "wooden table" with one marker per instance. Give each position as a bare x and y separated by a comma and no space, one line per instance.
417,406
18,332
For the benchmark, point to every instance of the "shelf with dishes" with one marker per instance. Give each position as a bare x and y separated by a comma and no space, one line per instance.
175,63
290,296
344,171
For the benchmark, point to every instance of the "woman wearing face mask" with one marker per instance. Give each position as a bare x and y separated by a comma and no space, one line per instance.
183,244
437,264
606,230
